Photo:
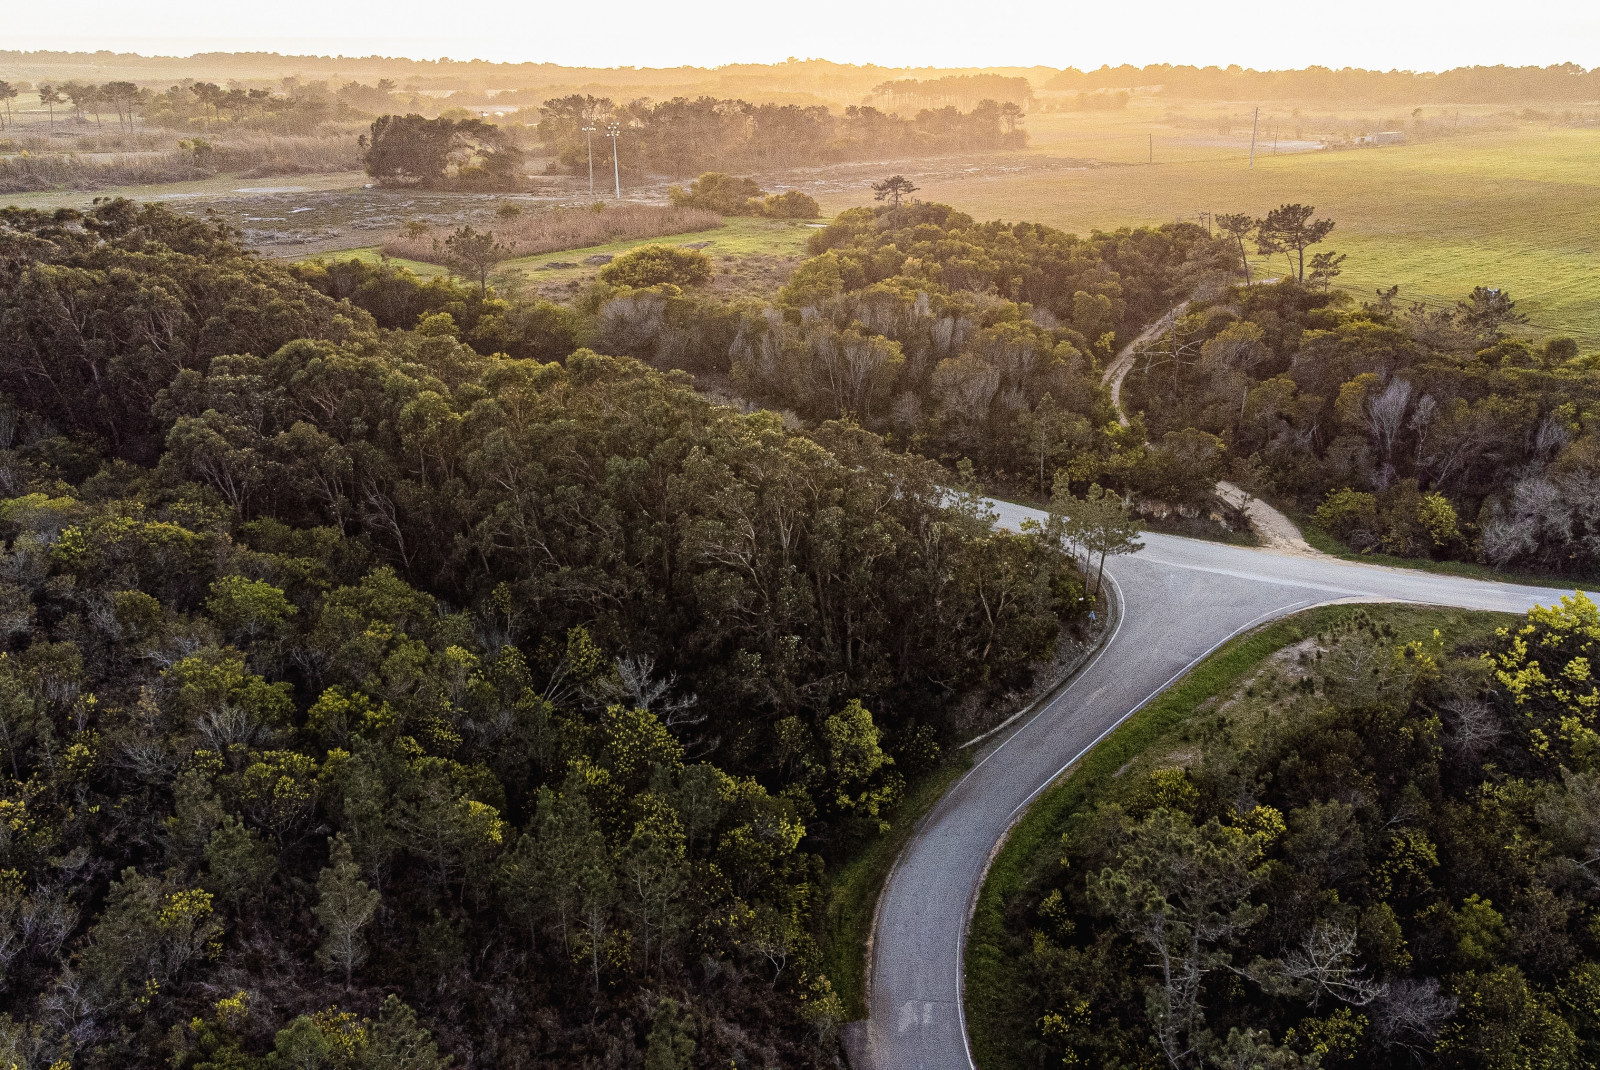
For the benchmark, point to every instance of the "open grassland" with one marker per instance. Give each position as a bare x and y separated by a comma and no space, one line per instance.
1516,206
246,156
1477,199
750,256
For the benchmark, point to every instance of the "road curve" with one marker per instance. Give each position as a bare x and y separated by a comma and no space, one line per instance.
1181,599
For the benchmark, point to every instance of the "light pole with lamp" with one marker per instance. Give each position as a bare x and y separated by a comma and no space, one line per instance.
614,131
588,139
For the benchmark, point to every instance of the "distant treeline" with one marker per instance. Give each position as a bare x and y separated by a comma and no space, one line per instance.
803,82
1461,85
686,137
837,81
960,90
299,109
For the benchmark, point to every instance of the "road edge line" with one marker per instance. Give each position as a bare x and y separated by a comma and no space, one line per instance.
1114,614
1017,814
1113,618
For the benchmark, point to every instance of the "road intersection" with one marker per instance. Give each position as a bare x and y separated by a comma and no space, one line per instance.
1179,600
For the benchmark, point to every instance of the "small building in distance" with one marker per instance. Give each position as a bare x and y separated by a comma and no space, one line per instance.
1383,137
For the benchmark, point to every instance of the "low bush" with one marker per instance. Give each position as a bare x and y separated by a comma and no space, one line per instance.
731,195
653,265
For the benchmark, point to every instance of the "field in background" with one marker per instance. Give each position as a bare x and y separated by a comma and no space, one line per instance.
1514,205
751,257
1482,196
209,190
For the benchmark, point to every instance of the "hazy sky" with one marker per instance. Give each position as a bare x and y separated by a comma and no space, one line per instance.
1416,34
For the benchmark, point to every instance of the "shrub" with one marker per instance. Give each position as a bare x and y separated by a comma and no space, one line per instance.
791,205
1560,350
1181,469
652,265
1438,518
717,192
730,195
1351,516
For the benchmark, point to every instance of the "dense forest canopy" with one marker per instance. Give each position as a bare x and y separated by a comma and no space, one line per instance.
1377,855
393,671
960,340
370,698
1410,430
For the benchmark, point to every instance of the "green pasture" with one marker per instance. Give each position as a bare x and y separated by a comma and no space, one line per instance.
738,237
1517,207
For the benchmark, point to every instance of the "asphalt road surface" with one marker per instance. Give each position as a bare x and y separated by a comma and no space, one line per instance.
1181,599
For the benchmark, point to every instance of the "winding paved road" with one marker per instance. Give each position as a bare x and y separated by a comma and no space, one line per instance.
1181,599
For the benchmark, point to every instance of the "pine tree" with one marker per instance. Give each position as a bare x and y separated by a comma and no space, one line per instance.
345,906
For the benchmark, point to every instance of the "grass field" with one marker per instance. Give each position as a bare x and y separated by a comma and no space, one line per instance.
1498,202
1516,206
745,252
995,988
738,237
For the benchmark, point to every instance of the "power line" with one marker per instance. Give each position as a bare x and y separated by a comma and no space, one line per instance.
614,132
588,139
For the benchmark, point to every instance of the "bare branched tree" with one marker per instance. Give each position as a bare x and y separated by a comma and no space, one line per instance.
634,683
1386,415
1471,728
1324,967
1410,1015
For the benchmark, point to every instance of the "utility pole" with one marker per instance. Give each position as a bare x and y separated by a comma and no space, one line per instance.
614,131
588,139
1152,149
1254,123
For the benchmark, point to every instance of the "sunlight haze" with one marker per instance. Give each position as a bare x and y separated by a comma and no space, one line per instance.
799,536
1418,36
